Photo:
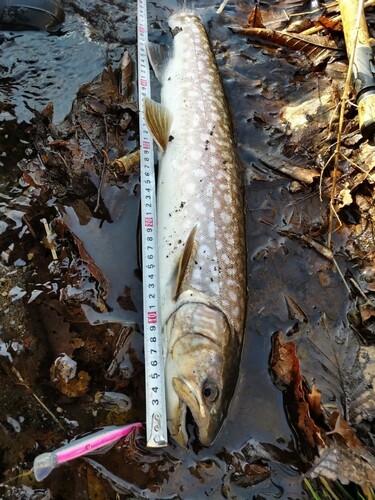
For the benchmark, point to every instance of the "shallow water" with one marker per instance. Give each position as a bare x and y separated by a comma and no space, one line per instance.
40,67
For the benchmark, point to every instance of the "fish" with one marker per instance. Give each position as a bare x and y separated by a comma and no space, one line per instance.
201,231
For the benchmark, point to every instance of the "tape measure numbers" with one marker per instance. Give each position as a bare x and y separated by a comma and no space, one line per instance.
156,417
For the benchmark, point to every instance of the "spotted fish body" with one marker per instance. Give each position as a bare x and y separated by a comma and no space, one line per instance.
200,235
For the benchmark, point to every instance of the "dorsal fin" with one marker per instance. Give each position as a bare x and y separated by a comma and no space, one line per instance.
159,121
158,55
183,263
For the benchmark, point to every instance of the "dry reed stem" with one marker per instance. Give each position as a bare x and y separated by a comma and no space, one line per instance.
344,100
50,238
321,175
222,7
355,165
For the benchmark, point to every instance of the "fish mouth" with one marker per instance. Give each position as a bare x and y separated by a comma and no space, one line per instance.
188,398
177,425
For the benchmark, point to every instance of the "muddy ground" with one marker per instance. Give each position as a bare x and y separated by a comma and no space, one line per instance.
304,404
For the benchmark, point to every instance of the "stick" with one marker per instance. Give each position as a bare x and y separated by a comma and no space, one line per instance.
222,7
344,100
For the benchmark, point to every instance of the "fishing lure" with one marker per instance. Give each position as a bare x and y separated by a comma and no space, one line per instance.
108,436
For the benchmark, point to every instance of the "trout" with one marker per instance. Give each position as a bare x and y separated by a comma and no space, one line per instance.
201,236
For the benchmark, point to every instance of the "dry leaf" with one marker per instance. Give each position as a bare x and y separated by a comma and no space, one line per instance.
254,19
64,376
127,75
346,198
314,399
315,47
285,368
329,24
340,426
367,312
295,311
83,253
300,25
339,463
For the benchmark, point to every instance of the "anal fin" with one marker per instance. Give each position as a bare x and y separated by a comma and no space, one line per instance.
183,263
159,120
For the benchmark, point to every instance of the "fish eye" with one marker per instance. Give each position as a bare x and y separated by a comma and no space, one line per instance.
210,392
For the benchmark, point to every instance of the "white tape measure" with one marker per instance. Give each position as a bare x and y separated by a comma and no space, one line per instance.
156,416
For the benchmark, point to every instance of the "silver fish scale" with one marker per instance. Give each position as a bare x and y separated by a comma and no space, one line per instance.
201,166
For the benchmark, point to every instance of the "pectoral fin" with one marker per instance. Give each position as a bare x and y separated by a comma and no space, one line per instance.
183,263
159,121
158,55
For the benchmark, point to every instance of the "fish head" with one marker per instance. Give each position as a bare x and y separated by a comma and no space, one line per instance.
201,368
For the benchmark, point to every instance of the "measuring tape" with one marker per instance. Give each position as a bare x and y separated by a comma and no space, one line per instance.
156,416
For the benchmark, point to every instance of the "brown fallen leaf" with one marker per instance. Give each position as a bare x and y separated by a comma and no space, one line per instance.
96,106
64,377
127,77
345,197
84,254
314,399
57,329
285,369
254,19
338,462
300,25
47,112
329,24
109,88
251,475
58,143
367,312
340,426
316,48
295,311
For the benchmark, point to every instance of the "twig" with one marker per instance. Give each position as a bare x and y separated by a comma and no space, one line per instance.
304,13
22,382
50,238
105,165
321,175
360,291
326,252
355,165
222,7
341,275
48,411
14,478
88,136
344,100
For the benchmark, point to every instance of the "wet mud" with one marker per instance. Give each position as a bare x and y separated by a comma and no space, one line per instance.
56,166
